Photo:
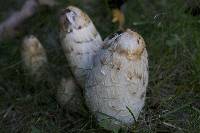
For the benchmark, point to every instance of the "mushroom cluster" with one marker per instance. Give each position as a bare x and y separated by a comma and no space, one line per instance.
110,76
113,74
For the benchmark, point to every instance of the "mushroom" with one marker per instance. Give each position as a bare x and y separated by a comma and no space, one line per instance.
80,41
115,89
69,96
33,56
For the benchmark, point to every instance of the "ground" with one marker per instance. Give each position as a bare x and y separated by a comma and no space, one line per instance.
173,43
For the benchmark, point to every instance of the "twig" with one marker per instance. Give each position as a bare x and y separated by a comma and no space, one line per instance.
173,126
8,27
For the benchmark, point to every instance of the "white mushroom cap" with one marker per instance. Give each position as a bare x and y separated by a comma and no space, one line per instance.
33,55
31,43
129,44
80,41
116,85
73,18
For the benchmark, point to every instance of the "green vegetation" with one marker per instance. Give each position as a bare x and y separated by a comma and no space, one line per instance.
173,44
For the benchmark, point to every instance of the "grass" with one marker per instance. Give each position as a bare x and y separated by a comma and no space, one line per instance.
173,44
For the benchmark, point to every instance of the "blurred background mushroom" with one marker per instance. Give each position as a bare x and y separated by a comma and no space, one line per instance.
34,57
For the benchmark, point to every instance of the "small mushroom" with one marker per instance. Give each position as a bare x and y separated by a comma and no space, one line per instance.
69,97
33,56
